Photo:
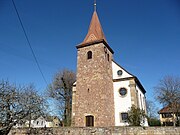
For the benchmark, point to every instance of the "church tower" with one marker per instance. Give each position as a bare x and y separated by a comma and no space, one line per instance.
93,97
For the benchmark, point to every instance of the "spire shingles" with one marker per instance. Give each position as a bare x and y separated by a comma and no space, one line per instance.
95,31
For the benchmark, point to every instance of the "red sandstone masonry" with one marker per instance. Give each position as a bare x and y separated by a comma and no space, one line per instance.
96,75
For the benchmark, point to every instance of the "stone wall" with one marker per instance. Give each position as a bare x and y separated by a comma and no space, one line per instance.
101,131
94,87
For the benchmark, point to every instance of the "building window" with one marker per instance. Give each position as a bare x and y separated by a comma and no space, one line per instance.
124,116
166,115
89,55
168,123
144,103
141,102
178,115
119,72
122,91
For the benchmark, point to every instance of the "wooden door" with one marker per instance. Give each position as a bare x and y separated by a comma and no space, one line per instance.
90,121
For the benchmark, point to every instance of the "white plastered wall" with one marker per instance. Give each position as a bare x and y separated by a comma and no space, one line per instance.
122,103
115,68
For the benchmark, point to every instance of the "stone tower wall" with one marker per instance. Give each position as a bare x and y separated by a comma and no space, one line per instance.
94,87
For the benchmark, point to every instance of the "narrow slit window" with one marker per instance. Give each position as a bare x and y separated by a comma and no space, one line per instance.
108,57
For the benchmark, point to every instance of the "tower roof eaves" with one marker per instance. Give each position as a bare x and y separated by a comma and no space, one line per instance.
95,42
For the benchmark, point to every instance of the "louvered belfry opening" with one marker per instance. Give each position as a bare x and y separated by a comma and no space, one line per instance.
90,121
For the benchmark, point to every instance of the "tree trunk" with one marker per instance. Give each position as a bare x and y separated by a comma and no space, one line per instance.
5,131
29,125
67,112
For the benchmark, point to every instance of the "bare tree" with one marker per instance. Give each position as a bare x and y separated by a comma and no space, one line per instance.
15,105
152,114
168,93
61,90
151,109
36,104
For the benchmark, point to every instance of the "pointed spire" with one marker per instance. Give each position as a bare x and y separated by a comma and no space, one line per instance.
95,31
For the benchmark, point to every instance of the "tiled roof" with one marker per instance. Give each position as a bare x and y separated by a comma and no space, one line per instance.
95,31
95,34
169,109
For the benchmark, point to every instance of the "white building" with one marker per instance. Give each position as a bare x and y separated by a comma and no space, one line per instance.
41,122
124,83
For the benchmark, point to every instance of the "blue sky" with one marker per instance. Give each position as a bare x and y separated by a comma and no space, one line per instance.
144,34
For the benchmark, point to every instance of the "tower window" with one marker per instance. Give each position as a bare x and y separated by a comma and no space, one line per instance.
89,55
108,57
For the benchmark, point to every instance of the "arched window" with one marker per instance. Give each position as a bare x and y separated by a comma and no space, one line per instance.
89,55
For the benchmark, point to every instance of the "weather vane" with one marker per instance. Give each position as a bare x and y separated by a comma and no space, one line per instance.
94,5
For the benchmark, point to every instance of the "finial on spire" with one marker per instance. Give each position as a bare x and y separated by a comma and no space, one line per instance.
94,5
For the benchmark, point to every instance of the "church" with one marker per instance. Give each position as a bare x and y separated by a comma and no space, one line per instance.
104,91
